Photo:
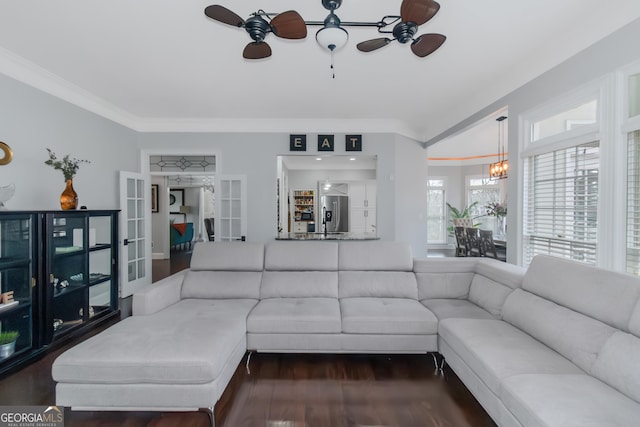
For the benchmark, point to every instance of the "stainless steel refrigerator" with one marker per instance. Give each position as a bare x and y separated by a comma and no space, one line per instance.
335,214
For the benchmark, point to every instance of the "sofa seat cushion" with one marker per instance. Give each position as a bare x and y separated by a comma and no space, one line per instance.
159,349
295,315
495,350
386,316
539,400
457,308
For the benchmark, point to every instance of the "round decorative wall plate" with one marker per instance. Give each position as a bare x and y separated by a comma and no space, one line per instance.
8,154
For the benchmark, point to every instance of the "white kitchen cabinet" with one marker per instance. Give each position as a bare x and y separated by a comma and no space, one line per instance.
362,206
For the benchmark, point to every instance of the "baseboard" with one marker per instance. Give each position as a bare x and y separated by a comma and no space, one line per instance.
159,255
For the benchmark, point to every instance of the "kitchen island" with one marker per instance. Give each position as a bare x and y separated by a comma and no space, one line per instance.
327,236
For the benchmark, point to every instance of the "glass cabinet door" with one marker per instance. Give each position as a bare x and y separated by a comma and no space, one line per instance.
102,274
67,270
17,285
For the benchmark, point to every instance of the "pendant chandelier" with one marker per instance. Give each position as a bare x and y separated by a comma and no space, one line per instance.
499,169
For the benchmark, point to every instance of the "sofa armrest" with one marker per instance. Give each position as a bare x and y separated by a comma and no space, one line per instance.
159,295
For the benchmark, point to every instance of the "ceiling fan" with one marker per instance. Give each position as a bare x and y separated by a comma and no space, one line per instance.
290,25
413,13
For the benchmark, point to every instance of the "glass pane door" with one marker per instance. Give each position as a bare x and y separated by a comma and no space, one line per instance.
135,259
232,209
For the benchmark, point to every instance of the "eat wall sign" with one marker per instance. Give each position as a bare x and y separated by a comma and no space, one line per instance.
325,143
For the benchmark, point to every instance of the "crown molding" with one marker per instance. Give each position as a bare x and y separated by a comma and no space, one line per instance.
22,70
276,125
25,71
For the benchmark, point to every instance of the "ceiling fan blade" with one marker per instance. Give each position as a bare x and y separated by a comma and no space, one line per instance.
426,44
256,50
371,45
289,25
224,15
418,11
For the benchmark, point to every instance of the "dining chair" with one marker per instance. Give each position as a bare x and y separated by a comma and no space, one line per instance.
488,246
208,225
462,248
473,241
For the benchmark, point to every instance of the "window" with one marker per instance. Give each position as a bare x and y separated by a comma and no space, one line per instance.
561,203
585,114
483,191
634,95
633,204
436,213
632,126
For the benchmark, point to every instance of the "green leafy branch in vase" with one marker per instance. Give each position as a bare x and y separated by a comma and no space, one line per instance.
69,166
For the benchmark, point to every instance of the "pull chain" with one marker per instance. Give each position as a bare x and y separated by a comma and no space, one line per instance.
333,71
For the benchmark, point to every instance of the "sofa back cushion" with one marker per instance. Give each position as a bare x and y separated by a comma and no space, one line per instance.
604,295
299,284
444,277
634,323
221,284
306,269
492,284
384,284
224,270
227,256
577,337
485,282
375,256
617,364
301,256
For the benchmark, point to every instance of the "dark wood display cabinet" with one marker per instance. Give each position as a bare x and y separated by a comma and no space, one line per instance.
58,277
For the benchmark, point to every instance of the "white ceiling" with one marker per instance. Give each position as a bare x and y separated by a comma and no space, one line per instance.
477,144
161,65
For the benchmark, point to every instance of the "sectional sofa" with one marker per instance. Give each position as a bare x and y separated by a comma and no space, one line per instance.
555,345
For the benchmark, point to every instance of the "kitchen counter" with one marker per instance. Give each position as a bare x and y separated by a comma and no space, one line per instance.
328,236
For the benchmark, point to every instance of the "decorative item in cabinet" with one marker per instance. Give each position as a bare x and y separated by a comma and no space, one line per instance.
81,268
18,270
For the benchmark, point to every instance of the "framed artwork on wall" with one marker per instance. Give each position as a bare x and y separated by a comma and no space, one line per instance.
176,200
154,198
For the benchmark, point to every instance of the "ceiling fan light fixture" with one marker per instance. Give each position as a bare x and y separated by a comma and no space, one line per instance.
332,38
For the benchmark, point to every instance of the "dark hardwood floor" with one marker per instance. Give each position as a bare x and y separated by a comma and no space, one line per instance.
289,390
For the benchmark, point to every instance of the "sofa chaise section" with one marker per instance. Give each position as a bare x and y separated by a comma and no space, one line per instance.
182,345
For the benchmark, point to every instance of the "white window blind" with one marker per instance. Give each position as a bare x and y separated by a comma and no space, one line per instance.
561,203
633,203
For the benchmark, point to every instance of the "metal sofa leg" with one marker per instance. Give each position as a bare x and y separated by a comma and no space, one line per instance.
247,364
441,368
439,365
435,360
211,415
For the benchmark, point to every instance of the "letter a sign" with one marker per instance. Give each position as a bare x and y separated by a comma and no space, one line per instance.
325,143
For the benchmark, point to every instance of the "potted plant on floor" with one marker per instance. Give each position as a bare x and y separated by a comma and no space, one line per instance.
8,343
455,213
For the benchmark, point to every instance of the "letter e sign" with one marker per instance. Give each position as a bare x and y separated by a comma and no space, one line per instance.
325,143
297,142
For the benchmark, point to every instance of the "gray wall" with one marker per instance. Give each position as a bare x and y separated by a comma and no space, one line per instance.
254,155
31,121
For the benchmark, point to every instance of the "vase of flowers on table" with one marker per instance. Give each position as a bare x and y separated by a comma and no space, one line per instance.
499,210
69,167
